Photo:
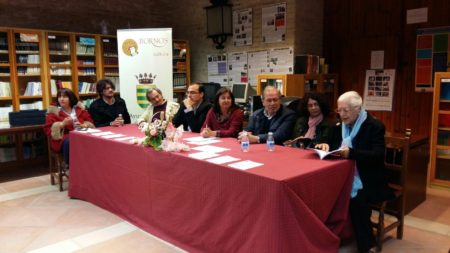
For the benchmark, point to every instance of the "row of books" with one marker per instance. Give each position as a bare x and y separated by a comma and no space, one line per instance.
32,106
60,71
4,113
85,87
86,71
85,62
179,80
55,85
443,138
6,139
111,72
28,58
5,89
111,61
33,89
85,49
60,62
58,46
28,70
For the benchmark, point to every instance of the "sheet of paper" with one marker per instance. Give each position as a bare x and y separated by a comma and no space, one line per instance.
203,155
245,165
196,139
125,138
223,159
205,142
210,148
102,133
89,130
112,136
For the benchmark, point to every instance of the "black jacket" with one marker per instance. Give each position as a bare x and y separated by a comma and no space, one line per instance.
192,119
103,114
281,125
368,151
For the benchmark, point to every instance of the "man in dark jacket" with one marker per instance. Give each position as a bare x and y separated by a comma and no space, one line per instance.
193,110
273,117
108,110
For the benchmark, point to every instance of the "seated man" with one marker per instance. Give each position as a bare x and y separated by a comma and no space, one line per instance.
157,105
108,110
273,117
192,112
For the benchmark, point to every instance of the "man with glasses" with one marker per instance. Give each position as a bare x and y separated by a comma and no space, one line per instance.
108,110
273,117
360,137
193,110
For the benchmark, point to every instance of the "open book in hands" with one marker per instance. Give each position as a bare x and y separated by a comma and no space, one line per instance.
322,154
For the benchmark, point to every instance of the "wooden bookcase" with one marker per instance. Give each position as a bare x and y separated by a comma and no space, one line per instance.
181,68
440,131
301,84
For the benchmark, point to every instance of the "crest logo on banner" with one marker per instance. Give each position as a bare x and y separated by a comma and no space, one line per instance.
145,82
130,47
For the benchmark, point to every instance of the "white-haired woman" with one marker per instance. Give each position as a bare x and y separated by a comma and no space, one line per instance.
361,138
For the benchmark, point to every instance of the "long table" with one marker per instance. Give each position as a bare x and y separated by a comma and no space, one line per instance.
295,202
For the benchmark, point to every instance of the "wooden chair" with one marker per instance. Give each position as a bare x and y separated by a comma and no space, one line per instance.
56,165
396,163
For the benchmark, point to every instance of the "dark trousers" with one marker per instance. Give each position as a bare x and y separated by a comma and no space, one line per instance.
360,213
65,150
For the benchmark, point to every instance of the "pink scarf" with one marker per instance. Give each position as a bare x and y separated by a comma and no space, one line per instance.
312,123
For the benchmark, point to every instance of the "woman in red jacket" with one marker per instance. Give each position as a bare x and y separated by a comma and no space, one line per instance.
67,115
224,119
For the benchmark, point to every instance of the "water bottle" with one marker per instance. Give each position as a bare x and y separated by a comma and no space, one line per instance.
270,142
120,118
245,143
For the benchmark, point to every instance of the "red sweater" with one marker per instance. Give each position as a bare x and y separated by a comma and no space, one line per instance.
55,115
229,128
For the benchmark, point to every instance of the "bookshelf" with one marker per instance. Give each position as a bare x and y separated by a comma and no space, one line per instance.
181,68
440,131
60,61
110,59
301,84
6,95
87,60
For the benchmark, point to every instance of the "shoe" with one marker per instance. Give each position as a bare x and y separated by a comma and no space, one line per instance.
65,170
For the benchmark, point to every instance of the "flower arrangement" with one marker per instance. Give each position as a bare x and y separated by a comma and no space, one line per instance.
162,135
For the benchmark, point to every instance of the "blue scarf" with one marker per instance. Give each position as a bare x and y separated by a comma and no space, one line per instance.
347,138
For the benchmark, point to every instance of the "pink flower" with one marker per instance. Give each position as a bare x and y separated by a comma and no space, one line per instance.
153,132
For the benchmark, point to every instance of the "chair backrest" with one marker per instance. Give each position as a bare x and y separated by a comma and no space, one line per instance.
396,159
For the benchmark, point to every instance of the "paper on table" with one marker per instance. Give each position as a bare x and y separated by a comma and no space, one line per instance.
112,136
203,155
196,139
222,159
245,165
205,142
88,130
210,148
125,138
102,133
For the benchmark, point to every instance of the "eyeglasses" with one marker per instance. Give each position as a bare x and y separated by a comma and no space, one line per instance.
191,92
344,110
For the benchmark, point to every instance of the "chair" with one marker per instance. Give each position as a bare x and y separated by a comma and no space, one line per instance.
396,164
56,165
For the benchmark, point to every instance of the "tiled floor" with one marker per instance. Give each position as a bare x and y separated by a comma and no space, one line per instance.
36,217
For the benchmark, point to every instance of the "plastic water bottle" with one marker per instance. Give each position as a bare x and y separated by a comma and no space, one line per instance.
245,143
120,118
270,142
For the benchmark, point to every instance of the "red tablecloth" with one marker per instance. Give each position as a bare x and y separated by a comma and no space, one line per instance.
293,203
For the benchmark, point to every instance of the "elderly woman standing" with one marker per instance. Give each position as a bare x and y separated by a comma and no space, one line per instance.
361,138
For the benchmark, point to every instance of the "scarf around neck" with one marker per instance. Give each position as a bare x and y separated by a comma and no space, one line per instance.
347,139
312,124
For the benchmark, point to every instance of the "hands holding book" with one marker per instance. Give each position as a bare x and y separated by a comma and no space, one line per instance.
342,151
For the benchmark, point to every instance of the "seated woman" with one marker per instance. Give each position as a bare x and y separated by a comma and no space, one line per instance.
312,127
67,115
157,105
224,119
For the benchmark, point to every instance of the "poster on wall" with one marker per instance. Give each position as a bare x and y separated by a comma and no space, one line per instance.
242,27
379,89
145,61
217,69
281,60
274,23
237,68
432,55
258,63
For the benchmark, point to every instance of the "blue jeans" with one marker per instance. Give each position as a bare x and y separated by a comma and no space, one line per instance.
65,150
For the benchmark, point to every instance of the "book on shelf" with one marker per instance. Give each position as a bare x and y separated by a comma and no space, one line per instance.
323,154
33,89
4,113
35,105
5,89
